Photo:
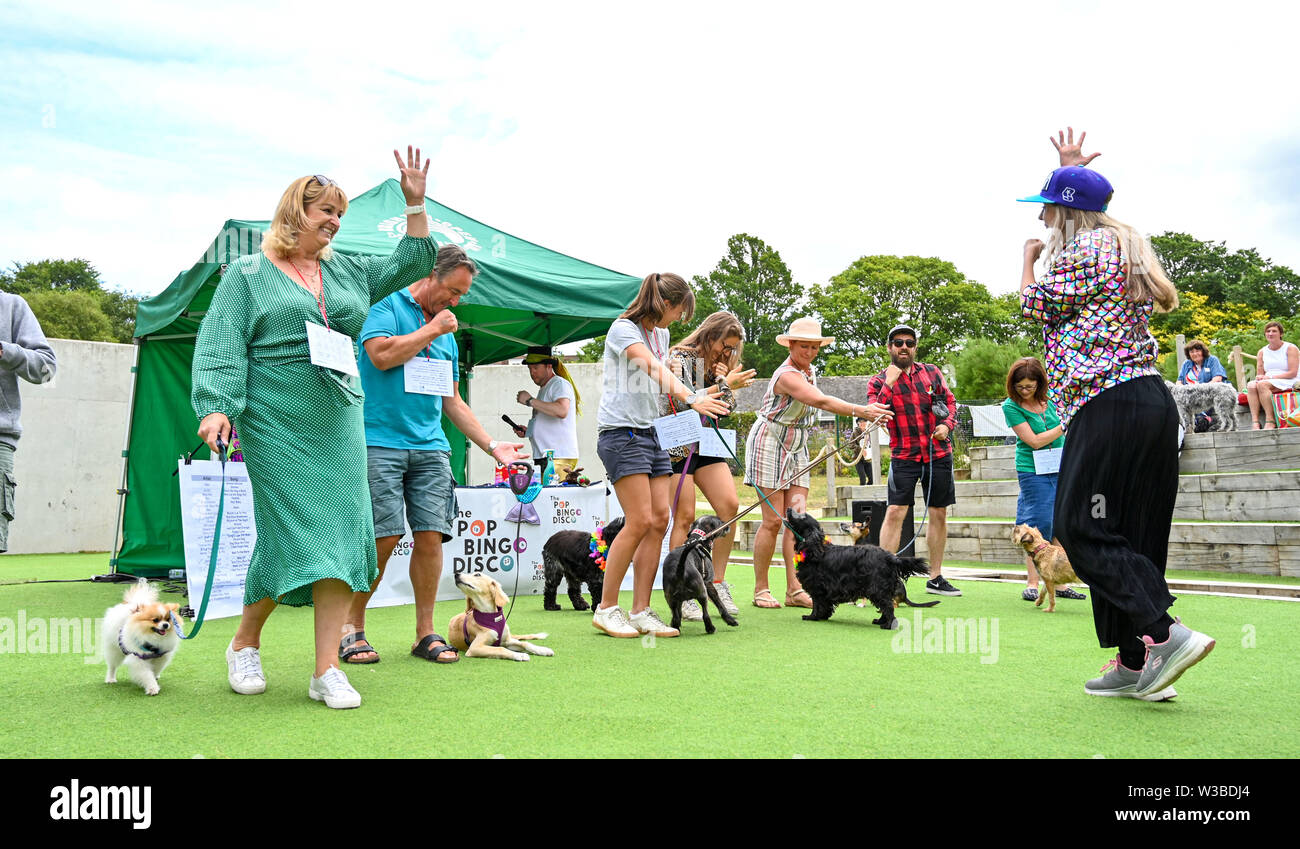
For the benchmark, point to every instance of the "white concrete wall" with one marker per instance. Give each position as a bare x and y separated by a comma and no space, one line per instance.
69,460
492,392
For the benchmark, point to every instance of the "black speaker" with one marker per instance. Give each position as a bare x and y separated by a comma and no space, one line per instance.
873,514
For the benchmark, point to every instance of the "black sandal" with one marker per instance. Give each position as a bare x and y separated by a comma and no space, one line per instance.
431,652
349,649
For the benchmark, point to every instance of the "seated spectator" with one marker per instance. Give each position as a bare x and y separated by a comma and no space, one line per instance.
1200,366
1277,365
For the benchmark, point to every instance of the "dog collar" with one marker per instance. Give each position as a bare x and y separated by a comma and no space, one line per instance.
154,651
1041,546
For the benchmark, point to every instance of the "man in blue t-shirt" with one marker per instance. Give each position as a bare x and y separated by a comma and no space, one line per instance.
411,378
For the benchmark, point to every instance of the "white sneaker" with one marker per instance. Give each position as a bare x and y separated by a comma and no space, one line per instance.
244,670
691,611
724,593
648,622
333,689
613,621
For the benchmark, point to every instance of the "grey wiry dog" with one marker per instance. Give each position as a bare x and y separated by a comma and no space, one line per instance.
1219,398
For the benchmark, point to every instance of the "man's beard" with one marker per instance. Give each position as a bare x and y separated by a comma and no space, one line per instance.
893,358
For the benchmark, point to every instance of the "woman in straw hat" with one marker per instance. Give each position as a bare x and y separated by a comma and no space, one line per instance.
778,447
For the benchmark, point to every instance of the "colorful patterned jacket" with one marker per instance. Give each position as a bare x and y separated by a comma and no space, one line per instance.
1094,336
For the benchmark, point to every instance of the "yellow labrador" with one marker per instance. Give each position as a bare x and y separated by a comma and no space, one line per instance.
481,631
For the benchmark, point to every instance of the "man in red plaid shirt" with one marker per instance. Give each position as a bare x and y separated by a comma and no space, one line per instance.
924,416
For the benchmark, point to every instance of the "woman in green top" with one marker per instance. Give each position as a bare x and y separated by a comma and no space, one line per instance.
299,413
1037,427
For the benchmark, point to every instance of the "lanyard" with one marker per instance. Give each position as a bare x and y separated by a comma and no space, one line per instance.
320,298
657,351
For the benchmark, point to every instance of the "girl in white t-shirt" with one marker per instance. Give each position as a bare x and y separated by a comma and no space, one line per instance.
635,377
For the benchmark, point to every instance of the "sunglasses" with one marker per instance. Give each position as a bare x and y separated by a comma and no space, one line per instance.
323,180
1026,387
904,343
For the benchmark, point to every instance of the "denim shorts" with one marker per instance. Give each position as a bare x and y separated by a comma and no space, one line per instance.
1036,502
419,481
632,451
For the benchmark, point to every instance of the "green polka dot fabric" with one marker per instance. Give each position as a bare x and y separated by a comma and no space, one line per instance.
300,424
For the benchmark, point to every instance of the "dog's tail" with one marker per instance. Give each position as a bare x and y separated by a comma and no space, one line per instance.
141,592
908,566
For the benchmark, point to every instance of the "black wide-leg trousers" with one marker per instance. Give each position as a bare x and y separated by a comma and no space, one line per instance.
1115,504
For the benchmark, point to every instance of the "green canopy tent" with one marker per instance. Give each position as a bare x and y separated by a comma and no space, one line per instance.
524,295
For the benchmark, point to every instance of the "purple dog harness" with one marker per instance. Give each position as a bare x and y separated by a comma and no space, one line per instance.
491,621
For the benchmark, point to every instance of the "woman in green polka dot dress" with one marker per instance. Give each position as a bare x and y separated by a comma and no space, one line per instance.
301,421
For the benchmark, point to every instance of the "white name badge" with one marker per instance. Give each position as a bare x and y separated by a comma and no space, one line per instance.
331,349
1047,461
424,376
712,446
681,429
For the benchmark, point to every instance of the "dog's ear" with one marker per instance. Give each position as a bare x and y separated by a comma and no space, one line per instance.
499,597
172,608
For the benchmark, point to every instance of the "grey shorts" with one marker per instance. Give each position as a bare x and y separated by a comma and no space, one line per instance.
632,451
7,486
418,482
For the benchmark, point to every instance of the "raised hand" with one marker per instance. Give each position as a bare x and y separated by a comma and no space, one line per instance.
413,177
1071,153
1033,249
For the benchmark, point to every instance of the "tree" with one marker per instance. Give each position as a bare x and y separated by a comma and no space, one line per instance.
981,367
754,284
860,305
1241,277
65,314
103,315
593,351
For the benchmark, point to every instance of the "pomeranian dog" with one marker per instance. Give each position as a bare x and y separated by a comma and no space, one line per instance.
139,632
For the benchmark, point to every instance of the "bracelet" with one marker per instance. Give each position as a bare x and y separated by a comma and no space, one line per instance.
415,210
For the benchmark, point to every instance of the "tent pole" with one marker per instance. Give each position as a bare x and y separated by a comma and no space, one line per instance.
122,491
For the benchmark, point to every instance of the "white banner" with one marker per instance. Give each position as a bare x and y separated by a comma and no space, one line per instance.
484,541
485,537
200,492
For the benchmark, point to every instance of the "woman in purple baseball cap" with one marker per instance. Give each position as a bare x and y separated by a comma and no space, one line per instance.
1119,471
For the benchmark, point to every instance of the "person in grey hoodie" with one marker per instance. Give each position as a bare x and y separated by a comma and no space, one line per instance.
23,353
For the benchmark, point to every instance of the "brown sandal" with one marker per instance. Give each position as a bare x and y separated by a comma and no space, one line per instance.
793,600
763,599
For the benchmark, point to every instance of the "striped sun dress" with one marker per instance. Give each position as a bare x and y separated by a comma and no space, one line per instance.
778,442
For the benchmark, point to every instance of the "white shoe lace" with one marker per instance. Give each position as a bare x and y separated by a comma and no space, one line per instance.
335,682
616,616
652,619
248,663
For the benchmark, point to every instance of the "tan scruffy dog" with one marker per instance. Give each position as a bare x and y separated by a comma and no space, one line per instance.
1053,566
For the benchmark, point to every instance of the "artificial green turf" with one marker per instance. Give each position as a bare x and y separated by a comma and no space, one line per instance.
776,686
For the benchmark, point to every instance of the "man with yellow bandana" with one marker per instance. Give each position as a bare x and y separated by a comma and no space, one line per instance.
554,425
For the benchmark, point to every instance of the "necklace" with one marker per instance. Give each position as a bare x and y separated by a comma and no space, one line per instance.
318,294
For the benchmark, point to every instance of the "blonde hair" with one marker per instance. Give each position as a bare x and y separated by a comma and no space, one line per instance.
716,327
658,292
291,215
1145,280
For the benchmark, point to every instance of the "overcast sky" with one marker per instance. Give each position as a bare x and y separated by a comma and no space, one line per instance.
640,140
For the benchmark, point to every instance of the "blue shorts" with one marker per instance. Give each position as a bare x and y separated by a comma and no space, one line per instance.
632,451
419,481
1036,503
